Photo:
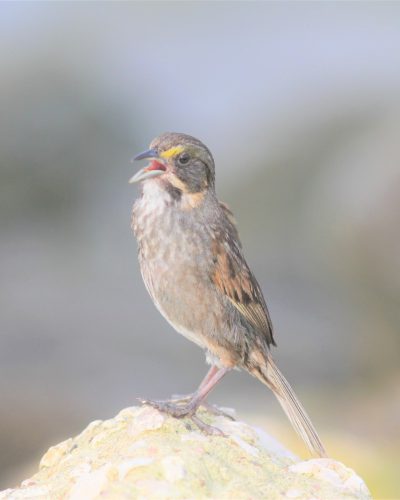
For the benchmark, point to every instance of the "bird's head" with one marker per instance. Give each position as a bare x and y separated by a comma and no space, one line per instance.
178,161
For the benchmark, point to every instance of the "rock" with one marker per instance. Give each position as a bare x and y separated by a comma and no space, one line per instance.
143,454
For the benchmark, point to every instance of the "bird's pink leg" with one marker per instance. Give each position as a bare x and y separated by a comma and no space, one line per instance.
185,398
205,388
179,398
179,411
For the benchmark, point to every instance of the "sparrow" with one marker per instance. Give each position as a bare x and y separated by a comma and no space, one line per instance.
193,266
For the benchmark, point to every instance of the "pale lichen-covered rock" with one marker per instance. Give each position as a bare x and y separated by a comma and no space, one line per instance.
142,454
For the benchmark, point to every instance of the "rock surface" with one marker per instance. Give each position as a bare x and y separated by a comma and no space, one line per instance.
143,454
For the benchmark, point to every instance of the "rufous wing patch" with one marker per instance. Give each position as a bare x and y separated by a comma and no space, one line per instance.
233,278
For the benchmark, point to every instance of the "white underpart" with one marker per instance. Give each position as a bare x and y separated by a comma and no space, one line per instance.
152,202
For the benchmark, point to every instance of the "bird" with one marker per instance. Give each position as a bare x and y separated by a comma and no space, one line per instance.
193,266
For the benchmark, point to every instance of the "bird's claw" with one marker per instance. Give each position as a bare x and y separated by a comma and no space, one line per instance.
180,399
170,408
217,411
206,428
188,410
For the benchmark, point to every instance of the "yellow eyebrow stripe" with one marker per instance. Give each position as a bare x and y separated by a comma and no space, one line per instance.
171,152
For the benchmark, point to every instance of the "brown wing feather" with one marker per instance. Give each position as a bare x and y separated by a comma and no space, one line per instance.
232,276
231,218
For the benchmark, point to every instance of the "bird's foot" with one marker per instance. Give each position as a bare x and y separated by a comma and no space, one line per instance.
177,403
181,398
170,407
185,410
175,399
215,410
206,428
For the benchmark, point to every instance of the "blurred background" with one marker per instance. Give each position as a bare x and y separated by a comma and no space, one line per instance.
300,104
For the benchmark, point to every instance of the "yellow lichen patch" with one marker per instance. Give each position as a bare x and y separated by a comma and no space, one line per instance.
169,153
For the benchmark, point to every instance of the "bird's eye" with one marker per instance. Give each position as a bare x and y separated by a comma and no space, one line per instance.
184,158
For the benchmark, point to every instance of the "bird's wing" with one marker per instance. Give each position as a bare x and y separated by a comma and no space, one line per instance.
232,277
231,218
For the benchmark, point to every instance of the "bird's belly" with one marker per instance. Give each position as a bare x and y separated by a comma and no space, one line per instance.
176,278
181,297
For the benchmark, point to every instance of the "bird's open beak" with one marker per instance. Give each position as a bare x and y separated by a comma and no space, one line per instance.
154,169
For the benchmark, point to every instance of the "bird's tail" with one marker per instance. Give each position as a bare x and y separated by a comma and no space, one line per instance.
270,375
